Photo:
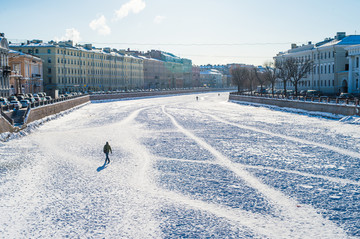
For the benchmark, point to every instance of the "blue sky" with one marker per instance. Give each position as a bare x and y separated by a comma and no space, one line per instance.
206,31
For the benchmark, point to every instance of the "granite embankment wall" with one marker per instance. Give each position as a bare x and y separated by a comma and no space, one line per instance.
339,109
5,126
43,111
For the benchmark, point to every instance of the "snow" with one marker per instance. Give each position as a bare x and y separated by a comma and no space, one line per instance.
181,168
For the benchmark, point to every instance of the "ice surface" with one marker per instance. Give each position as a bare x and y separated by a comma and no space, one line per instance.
181,168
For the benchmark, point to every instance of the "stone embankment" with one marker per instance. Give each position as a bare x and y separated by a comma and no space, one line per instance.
333,108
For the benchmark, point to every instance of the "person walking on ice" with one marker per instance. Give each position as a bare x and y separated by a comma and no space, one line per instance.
107,150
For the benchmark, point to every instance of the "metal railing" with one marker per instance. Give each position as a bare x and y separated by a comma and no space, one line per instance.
8,108
319,99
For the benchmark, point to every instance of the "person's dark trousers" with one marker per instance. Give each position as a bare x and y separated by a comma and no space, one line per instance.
107,160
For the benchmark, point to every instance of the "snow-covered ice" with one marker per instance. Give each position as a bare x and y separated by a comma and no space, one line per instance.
182,168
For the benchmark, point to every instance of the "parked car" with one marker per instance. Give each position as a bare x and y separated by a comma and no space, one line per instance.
303,92
15,103
290,92
37,98
13,97
346,96
20,97
31,99
48,97
24,103
3,101
313,93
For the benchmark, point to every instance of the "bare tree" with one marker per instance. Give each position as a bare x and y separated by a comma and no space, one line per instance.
283,68
298,70
240,76
270,74
260,77
251,80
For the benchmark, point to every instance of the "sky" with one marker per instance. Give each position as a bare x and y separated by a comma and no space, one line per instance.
205,31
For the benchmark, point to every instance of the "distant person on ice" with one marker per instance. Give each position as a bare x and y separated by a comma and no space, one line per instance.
107,150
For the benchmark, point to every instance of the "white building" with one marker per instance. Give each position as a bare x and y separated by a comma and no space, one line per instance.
211,78
354,69
330,74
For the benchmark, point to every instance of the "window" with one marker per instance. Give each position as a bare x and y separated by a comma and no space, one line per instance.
357,62
357,83
37,51
49,70
49,60
48,51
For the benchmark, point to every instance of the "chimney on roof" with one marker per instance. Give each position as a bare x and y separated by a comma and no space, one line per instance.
88,46
309,42
340,35
107,49
2,34
293,46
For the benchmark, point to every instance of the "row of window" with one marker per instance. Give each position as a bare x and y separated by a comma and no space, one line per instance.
316,83
96,64
324,69
83,81
94,71
317,56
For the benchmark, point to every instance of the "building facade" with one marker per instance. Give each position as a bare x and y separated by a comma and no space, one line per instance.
330,64
68,67
26,74
211,78
354,69
178,71
4,67
196,76
154,74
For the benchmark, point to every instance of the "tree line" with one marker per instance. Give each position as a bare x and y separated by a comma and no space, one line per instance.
287,69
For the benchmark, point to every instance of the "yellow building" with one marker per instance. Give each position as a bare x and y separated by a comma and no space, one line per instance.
68,67
26,76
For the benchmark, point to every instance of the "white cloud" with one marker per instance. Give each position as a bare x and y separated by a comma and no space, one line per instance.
134,6
70,34
159,19
100,26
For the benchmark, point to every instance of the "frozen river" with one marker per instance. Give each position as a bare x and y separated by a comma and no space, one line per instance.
182,168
